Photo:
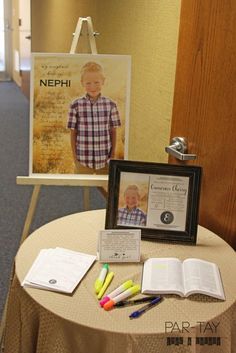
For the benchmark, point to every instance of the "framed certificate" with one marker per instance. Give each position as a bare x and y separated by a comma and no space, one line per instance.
160,199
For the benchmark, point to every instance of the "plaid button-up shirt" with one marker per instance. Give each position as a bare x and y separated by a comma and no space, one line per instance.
131,217
93,122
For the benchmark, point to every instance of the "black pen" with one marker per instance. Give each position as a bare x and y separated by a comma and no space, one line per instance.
145,308
134,302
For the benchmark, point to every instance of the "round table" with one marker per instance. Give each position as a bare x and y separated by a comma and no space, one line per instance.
56,322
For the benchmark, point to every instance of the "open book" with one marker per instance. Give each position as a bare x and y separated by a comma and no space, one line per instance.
172,276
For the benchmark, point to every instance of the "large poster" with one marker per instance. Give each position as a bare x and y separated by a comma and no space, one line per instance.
79,112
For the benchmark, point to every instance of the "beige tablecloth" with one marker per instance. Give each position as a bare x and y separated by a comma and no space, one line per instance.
46,322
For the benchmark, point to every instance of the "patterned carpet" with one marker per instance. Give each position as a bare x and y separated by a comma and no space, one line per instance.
53,202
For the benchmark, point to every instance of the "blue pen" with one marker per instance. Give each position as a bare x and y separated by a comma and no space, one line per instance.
145,308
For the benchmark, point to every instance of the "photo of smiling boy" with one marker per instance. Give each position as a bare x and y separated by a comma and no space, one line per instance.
93,120
131,214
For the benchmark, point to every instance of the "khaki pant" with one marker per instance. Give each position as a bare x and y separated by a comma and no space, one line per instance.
80,169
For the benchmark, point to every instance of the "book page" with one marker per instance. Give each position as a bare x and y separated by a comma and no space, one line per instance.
202,277
163,275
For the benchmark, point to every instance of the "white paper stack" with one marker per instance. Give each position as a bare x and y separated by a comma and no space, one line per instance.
58,269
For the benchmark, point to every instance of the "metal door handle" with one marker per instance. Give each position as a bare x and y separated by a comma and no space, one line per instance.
178,149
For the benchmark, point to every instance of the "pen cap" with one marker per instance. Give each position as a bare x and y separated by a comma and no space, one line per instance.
106,266
109,305
127,284
104,300
135,289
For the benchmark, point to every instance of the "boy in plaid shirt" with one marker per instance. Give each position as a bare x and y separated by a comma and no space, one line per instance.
131,214
93,120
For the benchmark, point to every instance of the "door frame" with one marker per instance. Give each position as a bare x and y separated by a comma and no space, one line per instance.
6,74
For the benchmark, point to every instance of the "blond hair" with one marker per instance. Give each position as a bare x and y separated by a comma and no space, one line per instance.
132,188
91,66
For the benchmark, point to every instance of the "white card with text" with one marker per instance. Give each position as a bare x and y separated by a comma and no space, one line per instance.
119,245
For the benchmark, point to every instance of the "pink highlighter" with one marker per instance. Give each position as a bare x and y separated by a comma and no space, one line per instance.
127,293
116,292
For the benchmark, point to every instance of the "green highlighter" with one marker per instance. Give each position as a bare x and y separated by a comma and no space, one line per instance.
101,278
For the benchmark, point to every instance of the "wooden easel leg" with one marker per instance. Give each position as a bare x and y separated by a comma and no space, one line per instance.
31,211
103,191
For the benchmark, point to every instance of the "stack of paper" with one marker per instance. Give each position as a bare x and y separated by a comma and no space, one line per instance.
58,270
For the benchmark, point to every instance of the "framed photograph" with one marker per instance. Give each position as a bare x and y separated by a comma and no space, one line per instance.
160,199
79,112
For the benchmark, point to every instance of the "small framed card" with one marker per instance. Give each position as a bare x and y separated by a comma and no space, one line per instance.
121,245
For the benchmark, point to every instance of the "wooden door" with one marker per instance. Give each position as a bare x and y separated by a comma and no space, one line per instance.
204,107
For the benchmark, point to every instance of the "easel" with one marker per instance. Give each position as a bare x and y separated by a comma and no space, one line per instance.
99,181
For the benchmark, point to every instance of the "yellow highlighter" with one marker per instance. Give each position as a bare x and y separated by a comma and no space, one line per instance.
108,280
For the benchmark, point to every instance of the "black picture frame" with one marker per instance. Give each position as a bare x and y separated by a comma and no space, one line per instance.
172,199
